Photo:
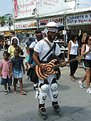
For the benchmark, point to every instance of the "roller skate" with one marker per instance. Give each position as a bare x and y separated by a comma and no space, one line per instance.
57,109
42,113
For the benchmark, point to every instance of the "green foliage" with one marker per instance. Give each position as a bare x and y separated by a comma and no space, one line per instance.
2,20
6,20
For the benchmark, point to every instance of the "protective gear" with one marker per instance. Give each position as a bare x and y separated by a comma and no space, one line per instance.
35,86
52,27
43,93
42,113
45,87
56,107
54,86
54,92
52,24
52,30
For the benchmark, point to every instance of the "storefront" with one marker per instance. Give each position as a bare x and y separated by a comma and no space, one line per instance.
32,15
26,11
80,21
21,25
45,20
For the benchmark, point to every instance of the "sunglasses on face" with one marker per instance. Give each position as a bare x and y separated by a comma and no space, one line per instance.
89,39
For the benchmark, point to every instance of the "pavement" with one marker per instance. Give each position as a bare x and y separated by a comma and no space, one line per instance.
75,103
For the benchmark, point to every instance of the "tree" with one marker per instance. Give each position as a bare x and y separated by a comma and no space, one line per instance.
2,20
7,20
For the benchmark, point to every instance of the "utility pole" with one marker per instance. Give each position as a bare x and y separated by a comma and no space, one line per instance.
13,15
65,26
64,31
35,12
37,18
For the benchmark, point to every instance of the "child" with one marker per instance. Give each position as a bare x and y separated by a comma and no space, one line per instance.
6,71
18,71
27,58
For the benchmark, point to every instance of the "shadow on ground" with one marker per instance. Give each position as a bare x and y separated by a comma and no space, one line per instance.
52,116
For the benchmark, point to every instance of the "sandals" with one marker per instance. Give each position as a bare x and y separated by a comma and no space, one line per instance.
23,93
73,78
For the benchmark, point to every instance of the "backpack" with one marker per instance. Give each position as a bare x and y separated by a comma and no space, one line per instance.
28,43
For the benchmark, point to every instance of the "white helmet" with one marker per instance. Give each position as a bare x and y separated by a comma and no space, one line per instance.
52,24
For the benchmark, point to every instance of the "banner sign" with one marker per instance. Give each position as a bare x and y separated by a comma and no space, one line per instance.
31,8
25,24
46,7
58,20
24,8
79,19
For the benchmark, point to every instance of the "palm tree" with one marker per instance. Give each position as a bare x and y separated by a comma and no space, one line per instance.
9,20
2,20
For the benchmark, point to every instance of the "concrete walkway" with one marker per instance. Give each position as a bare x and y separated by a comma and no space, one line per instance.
75,103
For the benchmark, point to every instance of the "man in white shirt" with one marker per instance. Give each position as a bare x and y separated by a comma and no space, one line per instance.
47,86
38,35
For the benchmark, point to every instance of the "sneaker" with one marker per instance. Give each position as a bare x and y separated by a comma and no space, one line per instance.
80,84
88,90
6,92
9,89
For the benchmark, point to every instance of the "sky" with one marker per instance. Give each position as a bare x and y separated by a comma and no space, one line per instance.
6,7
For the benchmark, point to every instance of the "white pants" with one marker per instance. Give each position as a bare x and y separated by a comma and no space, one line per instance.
49,88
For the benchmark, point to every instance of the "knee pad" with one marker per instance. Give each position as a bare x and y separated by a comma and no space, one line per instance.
54,90
43,93
42,97
44,87
54,86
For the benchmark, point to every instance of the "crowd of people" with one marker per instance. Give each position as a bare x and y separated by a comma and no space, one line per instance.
40,52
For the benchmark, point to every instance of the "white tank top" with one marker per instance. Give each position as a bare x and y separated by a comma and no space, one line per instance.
88,56
74,48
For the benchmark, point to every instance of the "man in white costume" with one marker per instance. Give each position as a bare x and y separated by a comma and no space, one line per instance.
47,86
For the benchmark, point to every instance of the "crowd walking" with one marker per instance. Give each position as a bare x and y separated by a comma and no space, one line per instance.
41,65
